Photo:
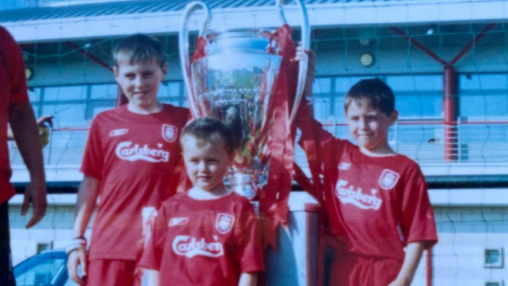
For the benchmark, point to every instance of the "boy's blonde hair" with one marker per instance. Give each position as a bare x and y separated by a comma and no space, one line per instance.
141,48
374,92
210,130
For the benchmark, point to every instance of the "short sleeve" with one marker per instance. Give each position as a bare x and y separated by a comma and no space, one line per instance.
93,158
152,255
249,252
417,218
16,69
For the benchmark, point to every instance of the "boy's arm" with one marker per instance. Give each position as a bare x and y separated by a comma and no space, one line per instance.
414,253
24,128
87,200
152,277
247,279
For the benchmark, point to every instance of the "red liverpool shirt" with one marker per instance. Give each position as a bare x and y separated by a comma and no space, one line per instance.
12,90
376,205
133,156
204,242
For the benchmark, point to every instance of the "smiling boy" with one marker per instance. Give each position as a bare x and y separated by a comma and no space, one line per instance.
379,213
131,153
209,235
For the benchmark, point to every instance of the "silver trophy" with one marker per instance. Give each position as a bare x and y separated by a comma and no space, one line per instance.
233,82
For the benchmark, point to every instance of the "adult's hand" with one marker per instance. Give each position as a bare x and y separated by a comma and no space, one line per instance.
35,194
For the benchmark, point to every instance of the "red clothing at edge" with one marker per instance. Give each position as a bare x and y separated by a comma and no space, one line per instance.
12,90
113,273
134,157
204,242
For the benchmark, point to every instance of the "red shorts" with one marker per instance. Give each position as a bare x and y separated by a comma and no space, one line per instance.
103,272
358,270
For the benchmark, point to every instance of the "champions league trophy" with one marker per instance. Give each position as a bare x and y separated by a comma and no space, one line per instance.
233,81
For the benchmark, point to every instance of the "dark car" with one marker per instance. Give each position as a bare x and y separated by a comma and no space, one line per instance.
47,268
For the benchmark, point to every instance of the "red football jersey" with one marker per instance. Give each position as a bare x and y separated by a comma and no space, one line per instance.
12,90
375,205
204,242
134,157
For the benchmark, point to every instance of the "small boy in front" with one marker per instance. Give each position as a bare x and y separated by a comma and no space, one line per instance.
208,235
379,214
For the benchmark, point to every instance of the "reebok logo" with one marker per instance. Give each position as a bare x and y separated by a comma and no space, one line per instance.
178,221
118,132
348,195
344,166
189,247
125,152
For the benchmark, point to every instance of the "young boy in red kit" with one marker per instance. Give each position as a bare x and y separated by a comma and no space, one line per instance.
209,235
131,153
379,214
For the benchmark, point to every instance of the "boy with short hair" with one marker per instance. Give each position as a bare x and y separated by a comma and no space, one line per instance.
131,153
376,200
209,235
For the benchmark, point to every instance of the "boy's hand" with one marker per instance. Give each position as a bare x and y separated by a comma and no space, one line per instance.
76,258
311,68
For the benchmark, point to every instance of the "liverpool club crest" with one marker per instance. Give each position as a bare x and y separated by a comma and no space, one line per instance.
388,179
224,223
169,133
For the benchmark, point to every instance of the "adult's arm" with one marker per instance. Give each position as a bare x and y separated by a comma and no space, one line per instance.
41,122
26,134
87,200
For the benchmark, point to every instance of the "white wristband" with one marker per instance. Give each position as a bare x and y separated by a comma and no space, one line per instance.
77,243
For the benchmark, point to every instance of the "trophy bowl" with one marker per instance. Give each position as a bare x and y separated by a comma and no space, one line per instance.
233,80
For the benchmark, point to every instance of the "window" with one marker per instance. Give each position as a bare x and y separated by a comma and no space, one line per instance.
44,246
172,92
494,284
418,96
494,258
483,96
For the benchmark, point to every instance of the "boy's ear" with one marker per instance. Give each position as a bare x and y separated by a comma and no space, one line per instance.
232,155
394,116
164,69
115,72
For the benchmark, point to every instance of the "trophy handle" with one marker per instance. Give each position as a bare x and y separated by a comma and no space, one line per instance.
183,45
303,64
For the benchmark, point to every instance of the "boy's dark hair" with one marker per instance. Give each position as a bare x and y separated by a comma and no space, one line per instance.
141,48
210,129
375,92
